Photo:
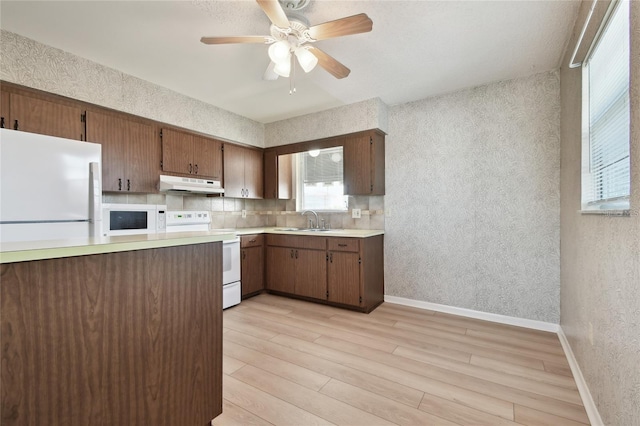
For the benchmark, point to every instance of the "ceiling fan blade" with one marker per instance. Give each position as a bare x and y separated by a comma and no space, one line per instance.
327,62
236,39
274,12
269,73
355,24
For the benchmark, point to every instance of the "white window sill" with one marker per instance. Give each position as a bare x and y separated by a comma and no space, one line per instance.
621,213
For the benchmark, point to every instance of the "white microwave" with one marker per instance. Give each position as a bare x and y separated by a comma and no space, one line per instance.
132,219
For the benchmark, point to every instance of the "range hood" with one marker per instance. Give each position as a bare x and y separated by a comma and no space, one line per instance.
183,185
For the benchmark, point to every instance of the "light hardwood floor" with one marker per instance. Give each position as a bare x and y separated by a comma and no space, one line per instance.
289,362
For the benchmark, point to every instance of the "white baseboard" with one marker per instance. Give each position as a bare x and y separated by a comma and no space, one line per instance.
587,400
502,319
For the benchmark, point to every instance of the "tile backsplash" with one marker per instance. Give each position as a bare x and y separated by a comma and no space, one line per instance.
227,212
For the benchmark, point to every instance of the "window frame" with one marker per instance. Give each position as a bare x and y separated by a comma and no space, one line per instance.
590,205
299,184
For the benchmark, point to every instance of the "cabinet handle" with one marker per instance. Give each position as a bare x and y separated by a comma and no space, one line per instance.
252,241
330,257
190,168
128,185
292,254
244,255
15,125
2,122
119,184
196,169
296,254
342,245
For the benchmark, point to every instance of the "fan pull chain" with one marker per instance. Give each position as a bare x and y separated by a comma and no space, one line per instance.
292,78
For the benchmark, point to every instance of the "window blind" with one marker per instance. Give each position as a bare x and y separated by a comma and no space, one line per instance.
609,116
320,180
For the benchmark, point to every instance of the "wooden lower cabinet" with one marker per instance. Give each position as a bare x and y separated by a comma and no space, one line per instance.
128,338
281,274
252,264
343,279
346,272
311,273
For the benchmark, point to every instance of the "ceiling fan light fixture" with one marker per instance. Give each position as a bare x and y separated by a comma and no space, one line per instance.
280,51
283,69
306,59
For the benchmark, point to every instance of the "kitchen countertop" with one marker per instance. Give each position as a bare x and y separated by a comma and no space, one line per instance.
51,249
349,233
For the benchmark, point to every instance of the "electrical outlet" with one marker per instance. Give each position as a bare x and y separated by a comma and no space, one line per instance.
591,333
356,213
244,214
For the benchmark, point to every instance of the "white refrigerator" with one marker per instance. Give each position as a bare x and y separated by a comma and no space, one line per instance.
50,188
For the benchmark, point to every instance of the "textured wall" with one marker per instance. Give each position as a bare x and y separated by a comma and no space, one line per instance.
32,64
601,258
365,115
473,201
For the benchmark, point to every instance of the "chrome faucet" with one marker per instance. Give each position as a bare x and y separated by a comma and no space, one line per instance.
311,220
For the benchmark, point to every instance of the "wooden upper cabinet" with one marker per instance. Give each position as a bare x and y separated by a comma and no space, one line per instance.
177,155
130,152
364,164
253,175
207,157
243,172
4,110
190,154
233,162
35,115
277,175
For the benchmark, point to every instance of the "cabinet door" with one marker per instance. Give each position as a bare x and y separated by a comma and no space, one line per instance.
270,175
106,130
252,270
233,164
357,165
207,157
343,283
253,175
281,269
285,184
311,273
377,164
4,110
143,155
177,152
45,117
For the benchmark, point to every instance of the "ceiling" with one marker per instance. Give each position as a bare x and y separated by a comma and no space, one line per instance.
417,49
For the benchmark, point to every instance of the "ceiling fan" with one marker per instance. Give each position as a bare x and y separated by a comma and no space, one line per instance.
292,38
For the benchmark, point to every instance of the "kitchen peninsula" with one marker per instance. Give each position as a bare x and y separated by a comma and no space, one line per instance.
120,330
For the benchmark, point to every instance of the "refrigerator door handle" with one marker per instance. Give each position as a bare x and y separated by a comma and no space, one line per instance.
95,200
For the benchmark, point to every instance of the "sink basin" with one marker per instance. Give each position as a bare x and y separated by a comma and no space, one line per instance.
289,229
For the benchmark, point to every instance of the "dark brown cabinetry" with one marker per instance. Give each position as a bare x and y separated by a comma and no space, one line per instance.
190,154
35,115
4,110
363,171
343,279
109,341
130,152
252,264
297,265
342,271
243,172
364,163
278,175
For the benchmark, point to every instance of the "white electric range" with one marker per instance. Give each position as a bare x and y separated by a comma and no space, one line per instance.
194,221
